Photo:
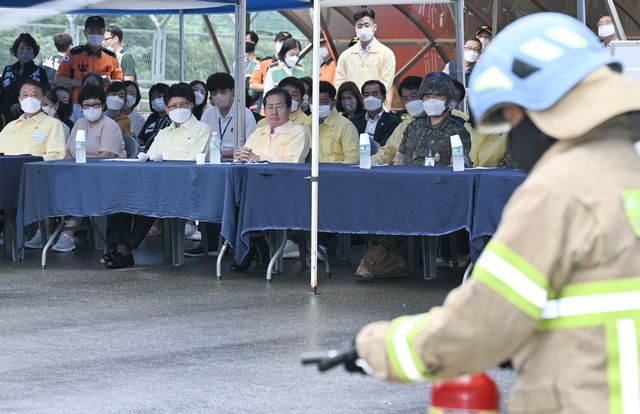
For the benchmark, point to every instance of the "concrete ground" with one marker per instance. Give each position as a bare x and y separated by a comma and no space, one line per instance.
78,338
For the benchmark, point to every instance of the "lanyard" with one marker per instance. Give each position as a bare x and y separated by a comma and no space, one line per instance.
225,128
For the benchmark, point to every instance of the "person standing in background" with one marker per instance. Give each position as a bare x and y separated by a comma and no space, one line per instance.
63,42
113,42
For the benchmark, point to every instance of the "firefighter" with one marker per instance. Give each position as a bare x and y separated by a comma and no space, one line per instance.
557,290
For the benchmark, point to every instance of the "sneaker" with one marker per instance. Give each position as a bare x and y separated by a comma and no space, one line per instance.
64,244
154,231
291,250
442,262
191,232
464,262
35,242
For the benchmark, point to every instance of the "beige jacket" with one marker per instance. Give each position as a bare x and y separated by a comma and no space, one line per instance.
378,64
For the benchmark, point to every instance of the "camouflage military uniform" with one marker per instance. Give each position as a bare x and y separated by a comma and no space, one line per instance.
421,135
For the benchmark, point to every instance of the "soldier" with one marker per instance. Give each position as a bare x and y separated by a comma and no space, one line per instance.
557,290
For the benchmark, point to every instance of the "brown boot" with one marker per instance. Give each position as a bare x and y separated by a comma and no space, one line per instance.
370,261
392,261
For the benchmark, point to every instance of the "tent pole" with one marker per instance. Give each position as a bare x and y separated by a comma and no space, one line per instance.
181,48
459,19
616,19
315,125
239,81
582,11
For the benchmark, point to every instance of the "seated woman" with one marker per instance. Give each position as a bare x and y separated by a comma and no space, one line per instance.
65,105
158,119
279,141
201,102
182,140
133,99
116,98
90,78
50,106
349,101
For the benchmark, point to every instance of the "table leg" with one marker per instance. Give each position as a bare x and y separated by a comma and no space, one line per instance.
429,256
47,246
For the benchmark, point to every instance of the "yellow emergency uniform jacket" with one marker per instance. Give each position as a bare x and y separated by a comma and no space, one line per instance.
557,290
387,153
378,64
338,139
486,149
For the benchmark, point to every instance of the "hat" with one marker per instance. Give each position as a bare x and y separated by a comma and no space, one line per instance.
484,28
93,21
437,83
283,36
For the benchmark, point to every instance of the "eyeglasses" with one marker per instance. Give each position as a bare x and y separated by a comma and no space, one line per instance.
604,23
475,49
109,38
95,105
275,108
181,105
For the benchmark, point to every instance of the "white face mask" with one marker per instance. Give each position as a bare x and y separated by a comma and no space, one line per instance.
110,49
294,105
199,97
471,56
158,104
278,47
414,108
291,61
323,52
433,107
49,111
180,115
131,101
349,105
92,114
606,30
222,100
323,110
485,41
25,57
365,34
30,105
372,103
114,103
95,40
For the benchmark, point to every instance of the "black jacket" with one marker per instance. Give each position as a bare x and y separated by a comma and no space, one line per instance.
384,128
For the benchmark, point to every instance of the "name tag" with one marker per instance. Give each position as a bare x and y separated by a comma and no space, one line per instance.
38,136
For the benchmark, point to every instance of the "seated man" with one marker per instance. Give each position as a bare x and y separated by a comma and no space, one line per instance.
430,131
339,141
296,89
34,132
376,122
220,117
408,91
279,141
182,140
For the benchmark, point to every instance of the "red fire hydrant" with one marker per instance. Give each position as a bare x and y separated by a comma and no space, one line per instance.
468,394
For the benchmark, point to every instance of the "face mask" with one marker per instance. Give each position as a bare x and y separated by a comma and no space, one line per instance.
527,143
471,56
114,103
199,97
278,47
180,115
222,100
323,52
433,107
414,108
92,114
249,47
453,105
323,110
294,105
365,34
95,40
372,103
131,101
305,103
158,104
606,30
291,61
30,105
485,41
25,57
49,111
349,105
110,49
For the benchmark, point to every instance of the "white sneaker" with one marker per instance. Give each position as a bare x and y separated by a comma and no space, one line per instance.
191,232
291,250
64,244
35,242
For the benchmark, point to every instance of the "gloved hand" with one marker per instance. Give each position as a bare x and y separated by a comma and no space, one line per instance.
157,157
371,347
143,157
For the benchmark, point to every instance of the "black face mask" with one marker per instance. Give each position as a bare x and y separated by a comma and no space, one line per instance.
249,47
527,143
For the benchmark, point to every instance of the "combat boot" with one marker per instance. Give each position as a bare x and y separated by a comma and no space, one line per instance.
370,261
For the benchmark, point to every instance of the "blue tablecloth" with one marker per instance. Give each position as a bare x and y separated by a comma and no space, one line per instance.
382,200
10,171
176,189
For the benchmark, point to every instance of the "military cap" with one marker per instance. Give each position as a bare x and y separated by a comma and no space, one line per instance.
437,83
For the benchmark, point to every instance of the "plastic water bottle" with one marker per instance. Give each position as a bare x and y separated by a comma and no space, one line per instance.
457,153
81,147
215,147
365,151
430,159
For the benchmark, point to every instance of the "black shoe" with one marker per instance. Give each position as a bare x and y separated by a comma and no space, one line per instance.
120,261
197,250
246,262
108,257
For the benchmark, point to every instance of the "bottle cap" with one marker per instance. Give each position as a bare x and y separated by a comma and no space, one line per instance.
80,135
456,141
364,139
